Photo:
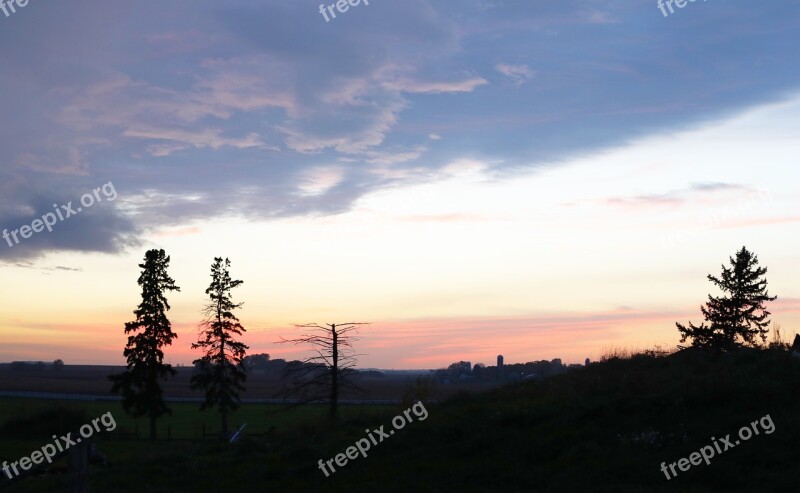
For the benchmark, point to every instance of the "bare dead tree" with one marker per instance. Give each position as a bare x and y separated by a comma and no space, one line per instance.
323,376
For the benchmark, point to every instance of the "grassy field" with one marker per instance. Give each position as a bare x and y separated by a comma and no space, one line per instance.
23,429
605,428
186,421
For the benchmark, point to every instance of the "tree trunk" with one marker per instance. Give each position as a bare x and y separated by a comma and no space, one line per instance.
152,384
222,389
335,374
152,427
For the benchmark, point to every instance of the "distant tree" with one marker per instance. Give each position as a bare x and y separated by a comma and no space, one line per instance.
139,383
276,366
58,365
323,376
739,316
777,341
220,371
441,375
27,365
371,374
460,367
259,361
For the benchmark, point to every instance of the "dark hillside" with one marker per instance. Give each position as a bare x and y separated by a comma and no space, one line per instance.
605,428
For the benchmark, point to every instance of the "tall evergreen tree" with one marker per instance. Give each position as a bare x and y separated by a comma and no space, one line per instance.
220,372
152,330
740,315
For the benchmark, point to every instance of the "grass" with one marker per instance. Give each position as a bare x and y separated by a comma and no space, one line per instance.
186,421
581,431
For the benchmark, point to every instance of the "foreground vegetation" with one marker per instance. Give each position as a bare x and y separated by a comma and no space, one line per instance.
607,427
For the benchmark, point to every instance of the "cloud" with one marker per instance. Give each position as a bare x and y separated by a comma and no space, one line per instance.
430,87
716,187
519,73
27,264
220,98
393,157
69,269
600,17
445,218
722,193
101,229
178,140
318,181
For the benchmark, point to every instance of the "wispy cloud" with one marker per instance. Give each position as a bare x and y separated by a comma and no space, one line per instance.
719,192
518,73
318,181
429,87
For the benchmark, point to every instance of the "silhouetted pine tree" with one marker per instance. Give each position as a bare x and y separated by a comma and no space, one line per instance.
220,372
139,383
740,315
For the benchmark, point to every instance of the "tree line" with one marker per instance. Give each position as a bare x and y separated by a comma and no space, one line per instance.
737,318
220,369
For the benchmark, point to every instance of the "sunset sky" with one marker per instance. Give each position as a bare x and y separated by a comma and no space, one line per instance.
530,178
